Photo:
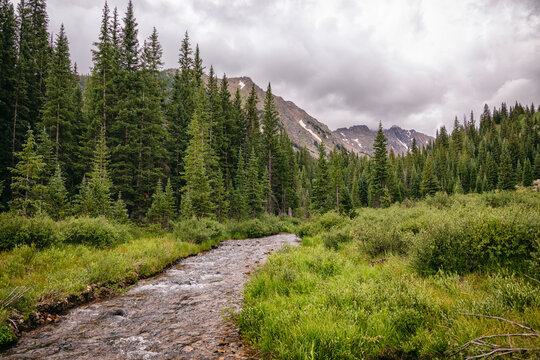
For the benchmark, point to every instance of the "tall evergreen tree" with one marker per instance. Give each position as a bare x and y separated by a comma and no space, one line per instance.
321,196
25,186
179,111
270,144
58,110
380,173
56,196
94,198
197,191
8,76
429,185
254,186
527,176
506,173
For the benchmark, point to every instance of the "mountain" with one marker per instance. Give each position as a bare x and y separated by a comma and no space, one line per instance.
361,138
306,131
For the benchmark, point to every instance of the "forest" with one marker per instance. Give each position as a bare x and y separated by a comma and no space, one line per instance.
127,156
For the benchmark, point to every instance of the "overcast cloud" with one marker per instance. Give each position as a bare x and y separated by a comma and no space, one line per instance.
413,63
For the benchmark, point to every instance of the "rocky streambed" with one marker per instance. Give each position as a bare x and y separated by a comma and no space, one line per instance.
178,314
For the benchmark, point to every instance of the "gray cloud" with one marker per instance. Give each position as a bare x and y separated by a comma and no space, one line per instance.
416,64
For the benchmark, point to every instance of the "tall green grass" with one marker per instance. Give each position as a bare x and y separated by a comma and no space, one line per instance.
444,256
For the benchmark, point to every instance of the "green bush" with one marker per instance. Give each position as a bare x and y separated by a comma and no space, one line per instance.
254,228
98,232
333,239
505,238
199,230
20,230
321,224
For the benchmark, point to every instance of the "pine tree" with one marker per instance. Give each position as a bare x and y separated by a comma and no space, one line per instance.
179,111
162,209
119,210
254,186
527,176
56,196
25,186
252,123
380,173
429,185
58,111
270,144
239,204
321,198
31,68
94,198
8,76
506,173
197,191
151,152
537,165
101,82
123,136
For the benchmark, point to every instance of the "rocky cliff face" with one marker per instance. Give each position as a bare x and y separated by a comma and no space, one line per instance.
361,138
306,131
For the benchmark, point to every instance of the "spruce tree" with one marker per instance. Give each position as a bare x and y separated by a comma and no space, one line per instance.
25,186
58,111
252,123
8,76
254,186
94,198
270,144
321,196
179,111
119,211
527,176
380,171
162,209
506,173
429,185
239,204
151,152
537,165
197,191
56,196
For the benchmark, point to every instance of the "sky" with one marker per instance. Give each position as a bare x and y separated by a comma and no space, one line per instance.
416,64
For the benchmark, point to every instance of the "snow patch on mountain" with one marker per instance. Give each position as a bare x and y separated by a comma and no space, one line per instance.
241,84
302,124
358,142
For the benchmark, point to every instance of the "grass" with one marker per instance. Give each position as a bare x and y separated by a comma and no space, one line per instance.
325,300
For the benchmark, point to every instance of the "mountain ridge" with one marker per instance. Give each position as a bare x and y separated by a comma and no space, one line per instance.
306,131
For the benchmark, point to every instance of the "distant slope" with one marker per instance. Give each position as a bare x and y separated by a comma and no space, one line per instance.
306,131
361,138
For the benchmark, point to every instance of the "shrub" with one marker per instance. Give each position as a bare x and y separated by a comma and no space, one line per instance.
321,223
98,232
440,200
199,230
481,241
333,239
20,230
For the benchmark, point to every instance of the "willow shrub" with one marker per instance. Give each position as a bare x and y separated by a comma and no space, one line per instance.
19,230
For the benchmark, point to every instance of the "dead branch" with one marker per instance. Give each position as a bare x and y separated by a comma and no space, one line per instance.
14,295
491,350
502,319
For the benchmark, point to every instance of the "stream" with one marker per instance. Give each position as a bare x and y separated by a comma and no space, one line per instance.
178,314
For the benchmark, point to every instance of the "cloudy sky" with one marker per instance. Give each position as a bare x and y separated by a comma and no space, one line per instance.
415,64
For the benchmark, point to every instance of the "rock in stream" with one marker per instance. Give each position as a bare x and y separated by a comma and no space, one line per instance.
175,315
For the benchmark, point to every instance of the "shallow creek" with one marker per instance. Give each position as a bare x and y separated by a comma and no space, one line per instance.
178,314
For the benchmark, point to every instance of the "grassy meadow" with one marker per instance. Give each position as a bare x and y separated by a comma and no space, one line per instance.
396,282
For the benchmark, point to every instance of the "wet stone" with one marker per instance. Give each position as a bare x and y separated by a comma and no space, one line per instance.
175,315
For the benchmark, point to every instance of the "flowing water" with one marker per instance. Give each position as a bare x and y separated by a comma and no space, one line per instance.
176,315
